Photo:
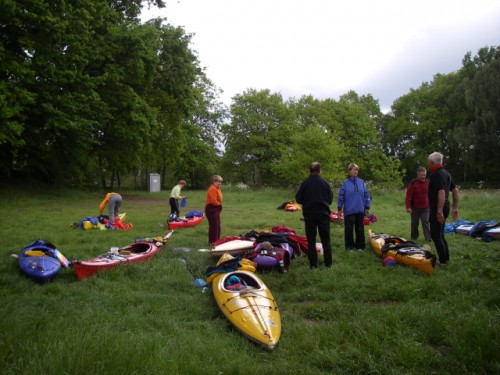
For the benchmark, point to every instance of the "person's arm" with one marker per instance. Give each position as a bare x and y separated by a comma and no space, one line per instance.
454,210
341,198
367,197
330,195
409,194
440,205
299,195
104,203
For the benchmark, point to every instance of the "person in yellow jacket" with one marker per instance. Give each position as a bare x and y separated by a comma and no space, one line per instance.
113,201
175,196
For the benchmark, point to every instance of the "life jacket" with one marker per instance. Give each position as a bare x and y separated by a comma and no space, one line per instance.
276,239
276,252
119,224
283,205
235,283
293,207
230,265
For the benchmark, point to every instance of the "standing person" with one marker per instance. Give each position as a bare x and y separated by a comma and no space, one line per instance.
175,195
113,201
417,204
355,199
315,195
213,208
440,185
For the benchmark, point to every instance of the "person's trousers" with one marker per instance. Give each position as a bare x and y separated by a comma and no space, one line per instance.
174,206
437,235
420,215
353,223
316,223
114,203
213,216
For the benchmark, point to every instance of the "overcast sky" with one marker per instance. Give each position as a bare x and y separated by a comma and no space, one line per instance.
325,48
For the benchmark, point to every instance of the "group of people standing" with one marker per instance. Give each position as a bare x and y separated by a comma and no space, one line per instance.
427,200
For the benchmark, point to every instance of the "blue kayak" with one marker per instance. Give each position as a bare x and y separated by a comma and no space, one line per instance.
39,261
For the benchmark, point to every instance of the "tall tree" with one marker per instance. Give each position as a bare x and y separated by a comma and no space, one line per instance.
313,143
173,95
483,95
202,155
259,120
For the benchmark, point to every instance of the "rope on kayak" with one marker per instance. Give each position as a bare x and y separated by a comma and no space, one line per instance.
258,314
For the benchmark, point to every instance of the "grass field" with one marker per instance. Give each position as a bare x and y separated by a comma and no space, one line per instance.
354,318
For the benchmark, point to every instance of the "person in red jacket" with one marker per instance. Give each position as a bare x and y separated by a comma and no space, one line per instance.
417,204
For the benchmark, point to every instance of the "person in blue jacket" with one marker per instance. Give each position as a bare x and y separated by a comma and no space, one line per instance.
354,199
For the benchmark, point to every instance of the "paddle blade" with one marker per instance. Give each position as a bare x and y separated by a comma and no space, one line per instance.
62,259
200,283
167,236
57,254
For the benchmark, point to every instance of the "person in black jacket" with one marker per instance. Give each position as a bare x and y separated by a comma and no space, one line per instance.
440,186
315,195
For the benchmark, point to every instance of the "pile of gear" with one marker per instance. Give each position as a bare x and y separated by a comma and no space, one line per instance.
101,222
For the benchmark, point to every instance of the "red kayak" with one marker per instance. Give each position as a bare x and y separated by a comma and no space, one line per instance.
183,222
134,253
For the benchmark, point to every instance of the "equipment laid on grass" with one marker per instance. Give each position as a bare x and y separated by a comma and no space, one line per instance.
269,255
338,217
403,252
484,230
234,247
248,304
102,222
199,282
134,253
41,261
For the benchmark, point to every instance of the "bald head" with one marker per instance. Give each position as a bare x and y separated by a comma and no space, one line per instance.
315,167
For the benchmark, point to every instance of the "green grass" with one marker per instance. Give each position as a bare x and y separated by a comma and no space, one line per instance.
355,318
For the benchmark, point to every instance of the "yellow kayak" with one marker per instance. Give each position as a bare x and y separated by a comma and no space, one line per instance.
410,255
249,305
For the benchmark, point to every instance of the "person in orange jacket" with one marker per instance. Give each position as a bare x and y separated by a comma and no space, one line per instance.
213,208
113,201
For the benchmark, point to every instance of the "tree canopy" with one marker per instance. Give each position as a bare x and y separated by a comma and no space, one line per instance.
90,96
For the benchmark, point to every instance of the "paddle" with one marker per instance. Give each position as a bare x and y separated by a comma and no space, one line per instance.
200,283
